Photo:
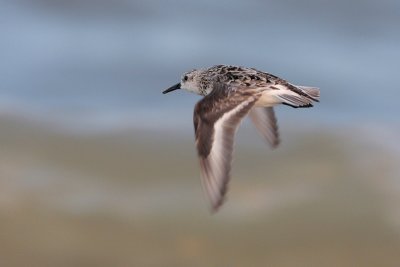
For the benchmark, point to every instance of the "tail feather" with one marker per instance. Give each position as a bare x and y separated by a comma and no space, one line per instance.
296,96
312,92
295,100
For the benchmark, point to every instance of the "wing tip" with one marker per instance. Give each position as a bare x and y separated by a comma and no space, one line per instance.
275,144
215,207
217,202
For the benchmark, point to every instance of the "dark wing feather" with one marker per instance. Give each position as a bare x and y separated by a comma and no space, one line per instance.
265,121
216,119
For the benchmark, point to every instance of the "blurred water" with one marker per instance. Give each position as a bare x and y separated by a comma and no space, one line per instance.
106,62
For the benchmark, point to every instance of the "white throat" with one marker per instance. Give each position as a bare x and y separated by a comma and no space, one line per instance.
191,87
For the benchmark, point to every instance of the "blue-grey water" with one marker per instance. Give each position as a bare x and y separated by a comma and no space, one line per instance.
105,63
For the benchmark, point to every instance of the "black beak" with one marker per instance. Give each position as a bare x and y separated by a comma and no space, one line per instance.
173,88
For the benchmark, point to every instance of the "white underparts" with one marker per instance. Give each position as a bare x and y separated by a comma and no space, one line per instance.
268,99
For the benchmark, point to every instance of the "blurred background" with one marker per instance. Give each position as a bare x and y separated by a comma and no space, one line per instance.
98,168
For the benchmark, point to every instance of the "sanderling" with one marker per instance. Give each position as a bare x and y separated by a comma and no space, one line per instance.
230,93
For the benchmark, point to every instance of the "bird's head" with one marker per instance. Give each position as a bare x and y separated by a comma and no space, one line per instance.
190,81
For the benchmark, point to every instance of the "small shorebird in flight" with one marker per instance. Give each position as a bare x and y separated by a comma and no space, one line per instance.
230,93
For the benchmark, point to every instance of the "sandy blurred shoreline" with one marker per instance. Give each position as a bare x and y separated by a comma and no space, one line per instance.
134,198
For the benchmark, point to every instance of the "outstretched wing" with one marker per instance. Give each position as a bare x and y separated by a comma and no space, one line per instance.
265,121
216,119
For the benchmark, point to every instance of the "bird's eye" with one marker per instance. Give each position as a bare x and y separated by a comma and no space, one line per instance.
185,78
